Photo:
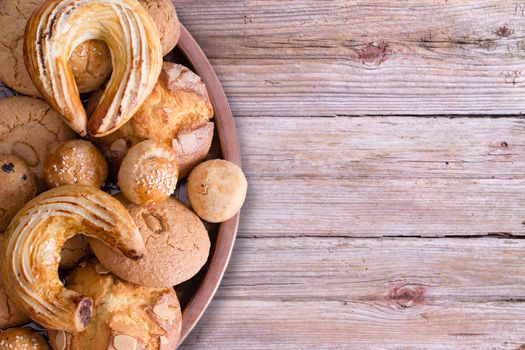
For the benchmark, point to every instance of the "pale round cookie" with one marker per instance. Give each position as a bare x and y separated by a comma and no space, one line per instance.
22,339
75,162
217,190
165,17
148,173
176,113
126,316
13,16
17,187
28,127
177,245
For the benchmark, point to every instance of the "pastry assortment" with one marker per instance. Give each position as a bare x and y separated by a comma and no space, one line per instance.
98,270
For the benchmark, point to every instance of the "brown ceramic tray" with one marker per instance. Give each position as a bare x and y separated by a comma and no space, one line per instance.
197,293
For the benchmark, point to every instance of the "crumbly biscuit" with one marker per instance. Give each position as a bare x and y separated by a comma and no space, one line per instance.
217,190
28,127
18,186
165,17
22,339
75,162
126,316
179,105
13,16
148,173
177,245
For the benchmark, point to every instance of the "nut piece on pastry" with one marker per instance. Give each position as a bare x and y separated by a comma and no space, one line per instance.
148,173
127,316
17,187
32,246
177,245
217,190
178,106
22,339
132,38
28,127
75,162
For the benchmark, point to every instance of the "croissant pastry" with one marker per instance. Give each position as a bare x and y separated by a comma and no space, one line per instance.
54,30
33,242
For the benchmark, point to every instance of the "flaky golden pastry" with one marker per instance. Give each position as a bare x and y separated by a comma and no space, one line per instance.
33,242
56,27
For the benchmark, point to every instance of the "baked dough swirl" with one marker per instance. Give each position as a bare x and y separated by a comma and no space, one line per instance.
31,250
54,30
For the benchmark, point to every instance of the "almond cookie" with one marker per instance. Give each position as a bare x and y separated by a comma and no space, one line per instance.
217,190
75,162
126,316
22,339
177,245
176,113
90,62
148,173
18,186
28,127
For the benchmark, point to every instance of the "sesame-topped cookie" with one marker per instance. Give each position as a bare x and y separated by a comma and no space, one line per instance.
22,339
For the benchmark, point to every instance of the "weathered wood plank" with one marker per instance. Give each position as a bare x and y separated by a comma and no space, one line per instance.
342,57
383,176
340,293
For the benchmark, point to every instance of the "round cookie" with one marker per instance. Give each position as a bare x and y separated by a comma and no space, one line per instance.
126,316
217,190
177,245
13,16
177,113
75,249
18,186
165,17
22,339
28,127
148,173
75,162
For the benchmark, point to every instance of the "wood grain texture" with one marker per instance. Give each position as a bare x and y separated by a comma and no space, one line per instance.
341,57
340,293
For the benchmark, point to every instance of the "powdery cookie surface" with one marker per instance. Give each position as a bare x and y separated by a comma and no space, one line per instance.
217,190
28,127
22,339
75,162
17,187
177,245
165,17
177,113
126,316
90,62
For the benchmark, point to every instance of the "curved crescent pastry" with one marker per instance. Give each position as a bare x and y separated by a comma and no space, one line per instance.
54,30
31,250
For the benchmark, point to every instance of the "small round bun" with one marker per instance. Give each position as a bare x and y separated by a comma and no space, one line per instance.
17,187
22,339
91,65
75,162
28,128
177,245
165,17
128,317
148,173
217,190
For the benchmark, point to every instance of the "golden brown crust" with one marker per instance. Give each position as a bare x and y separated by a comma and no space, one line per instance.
28,128
177,245
17,187
22,339
91,65
124,314
132,38
75,162
148,173
165,17
179,104
217,190
32,246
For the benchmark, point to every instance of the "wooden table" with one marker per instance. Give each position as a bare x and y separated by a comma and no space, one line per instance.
384,146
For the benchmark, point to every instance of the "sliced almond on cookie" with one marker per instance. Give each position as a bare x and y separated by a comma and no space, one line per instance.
125,342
